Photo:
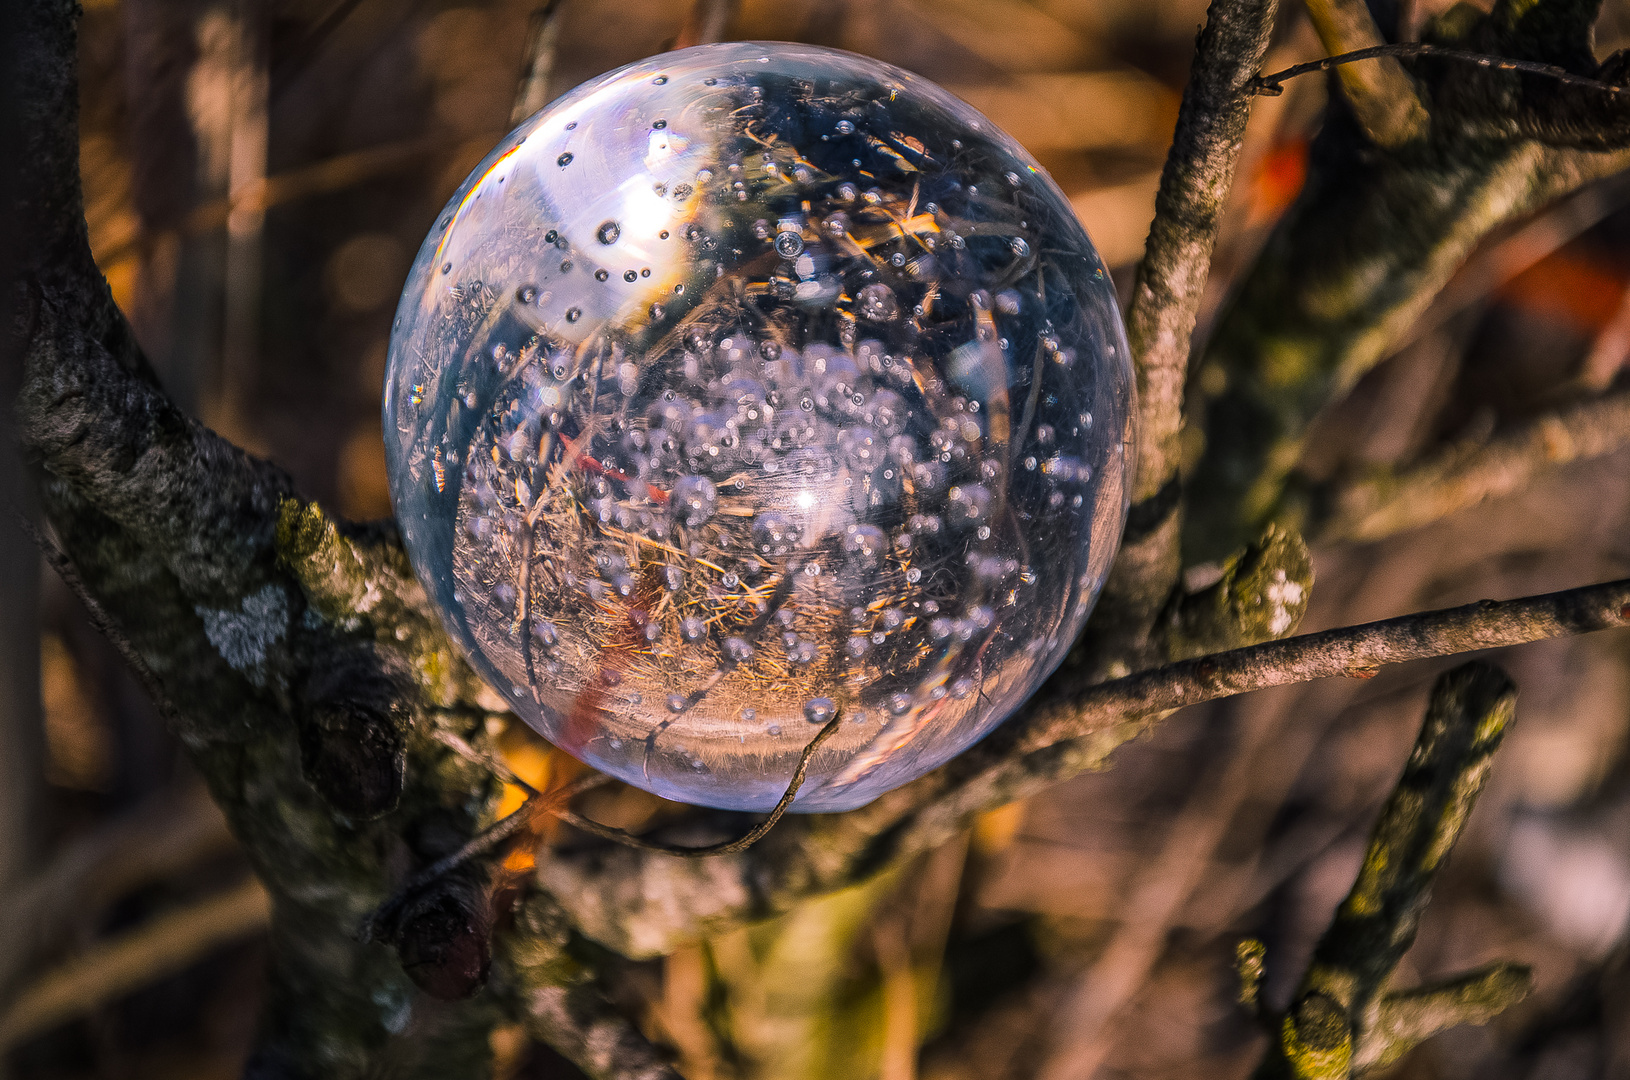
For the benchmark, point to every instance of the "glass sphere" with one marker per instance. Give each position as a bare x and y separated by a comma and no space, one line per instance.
752,385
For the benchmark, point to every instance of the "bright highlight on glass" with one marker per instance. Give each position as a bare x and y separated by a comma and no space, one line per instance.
749,386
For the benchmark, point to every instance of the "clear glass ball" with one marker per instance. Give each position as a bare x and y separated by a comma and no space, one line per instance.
752,385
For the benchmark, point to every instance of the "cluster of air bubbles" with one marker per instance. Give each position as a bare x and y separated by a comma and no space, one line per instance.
737,394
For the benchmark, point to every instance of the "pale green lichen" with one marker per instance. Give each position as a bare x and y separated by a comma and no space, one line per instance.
1261,595
368,586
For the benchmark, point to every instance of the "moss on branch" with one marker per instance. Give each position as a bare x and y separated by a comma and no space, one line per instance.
1375,234
1343,1021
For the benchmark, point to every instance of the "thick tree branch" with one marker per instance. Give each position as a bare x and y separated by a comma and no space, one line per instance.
1374,236
1166,297
300,711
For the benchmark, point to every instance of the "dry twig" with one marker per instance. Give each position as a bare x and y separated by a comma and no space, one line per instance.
1382,95
1465,476
114,968
1166,298
1354,651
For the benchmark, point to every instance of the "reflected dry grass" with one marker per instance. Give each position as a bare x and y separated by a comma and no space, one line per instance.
1090,929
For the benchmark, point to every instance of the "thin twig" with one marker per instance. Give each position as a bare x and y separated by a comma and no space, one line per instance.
542,37
161,836
319,178
553,802
1194,185
114,968
1385,505
1383,97
729,847
1070,726
706,22
491,761
557,804
1270,85
1072,710
1166,297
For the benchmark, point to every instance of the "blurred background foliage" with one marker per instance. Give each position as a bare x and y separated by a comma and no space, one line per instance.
258,175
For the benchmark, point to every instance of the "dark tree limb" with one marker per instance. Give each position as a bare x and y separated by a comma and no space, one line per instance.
1343,1021
1374,236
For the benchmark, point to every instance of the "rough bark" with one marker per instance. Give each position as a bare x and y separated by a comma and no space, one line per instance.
1373,237
1166,295
305,673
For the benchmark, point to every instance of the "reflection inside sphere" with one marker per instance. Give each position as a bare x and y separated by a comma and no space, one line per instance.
750,386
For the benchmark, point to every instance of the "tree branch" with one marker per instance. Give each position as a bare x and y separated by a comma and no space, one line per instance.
644,905
1166,297
1390,503
542,36
1273,84
1410,1017
1373,237
1340,1021
1069,710
1261,595
1382,95
585,1027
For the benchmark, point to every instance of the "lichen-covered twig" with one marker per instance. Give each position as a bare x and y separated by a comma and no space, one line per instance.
1390,503
1342,1020
1166,297
1409,1017
1261,595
